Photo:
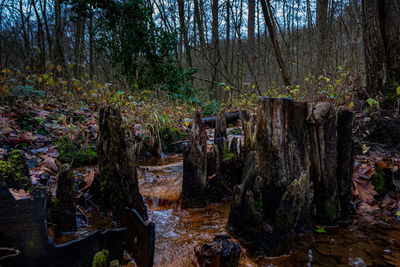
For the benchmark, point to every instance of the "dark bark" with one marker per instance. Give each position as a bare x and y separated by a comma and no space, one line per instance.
374,47
251,42
294,144
34,246
199,23
116,184
345,164
272,33
391,22
324,162
220,134
194,185
275,181
215,56
65,207
222,252
381,36
139,237
321,26
59,58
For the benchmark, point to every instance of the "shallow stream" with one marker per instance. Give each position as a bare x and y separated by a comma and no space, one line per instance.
363,242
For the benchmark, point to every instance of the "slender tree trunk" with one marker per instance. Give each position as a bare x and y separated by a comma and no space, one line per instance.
215,46
26,51
40,33
181,12
91,47
199,23
78,47
46,26
58,47
272,32
321,28
251,53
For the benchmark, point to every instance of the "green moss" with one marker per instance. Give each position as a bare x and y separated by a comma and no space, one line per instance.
260,201
71,152
171,135
100,259
330,210
114,263
6,168
14,170
390,93
226,155
379,182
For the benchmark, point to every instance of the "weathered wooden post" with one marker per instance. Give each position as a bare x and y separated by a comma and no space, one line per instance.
116,184
194,185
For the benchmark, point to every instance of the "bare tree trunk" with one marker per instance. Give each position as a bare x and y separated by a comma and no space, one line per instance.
392,38
78,47
40,33
27,50
321,28
46,26
91,47
374,46
199,22
58,48
215,46
181,12
251,53
272,32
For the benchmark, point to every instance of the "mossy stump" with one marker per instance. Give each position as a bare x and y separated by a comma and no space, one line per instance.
194,185
64,206
295,144
116,185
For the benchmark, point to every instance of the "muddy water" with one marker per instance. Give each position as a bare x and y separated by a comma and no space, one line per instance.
372,242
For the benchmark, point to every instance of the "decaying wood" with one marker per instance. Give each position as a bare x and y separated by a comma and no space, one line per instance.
295,145
231,117
139,237
33,242
65,218
116,185
222,252
194,185
324,162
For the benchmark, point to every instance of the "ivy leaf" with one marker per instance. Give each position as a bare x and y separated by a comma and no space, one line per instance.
319,229
372,102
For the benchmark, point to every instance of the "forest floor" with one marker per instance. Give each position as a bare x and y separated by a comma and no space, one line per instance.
51,133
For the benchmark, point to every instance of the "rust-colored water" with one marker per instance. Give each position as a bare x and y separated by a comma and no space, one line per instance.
178,231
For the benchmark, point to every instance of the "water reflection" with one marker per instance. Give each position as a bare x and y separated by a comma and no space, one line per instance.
361,243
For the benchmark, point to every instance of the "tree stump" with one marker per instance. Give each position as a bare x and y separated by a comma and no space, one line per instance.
275,181
248,125
116,184
324,161
220,134
65,206
345,152
222,252
294,145
194,185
